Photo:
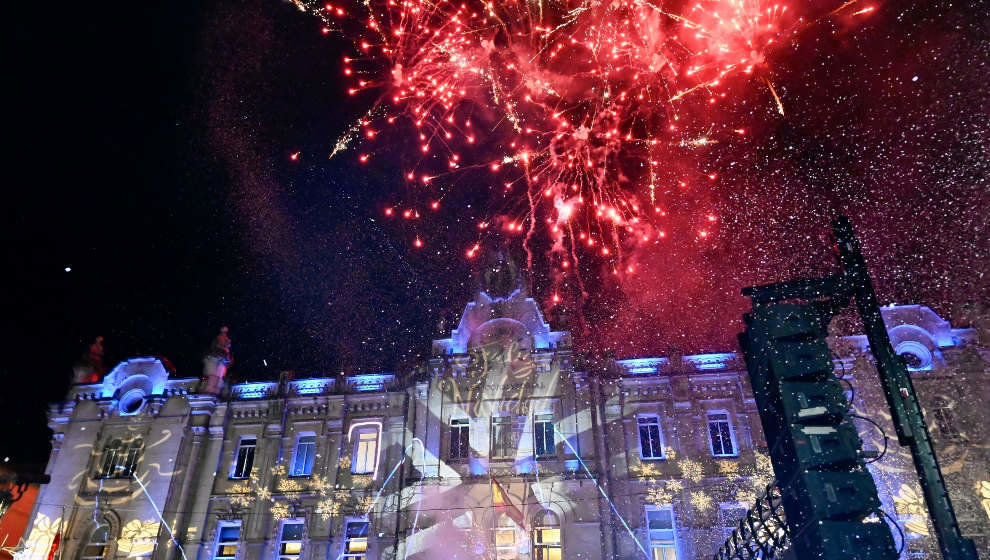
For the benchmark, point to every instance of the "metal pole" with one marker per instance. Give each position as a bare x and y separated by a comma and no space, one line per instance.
908,419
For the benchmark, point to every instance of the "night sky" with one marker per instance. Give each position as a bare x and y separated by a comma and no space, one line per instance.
150,153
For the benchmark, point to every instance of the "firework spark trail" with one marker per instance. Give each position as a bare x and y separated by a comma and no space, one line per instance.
780,106
585,100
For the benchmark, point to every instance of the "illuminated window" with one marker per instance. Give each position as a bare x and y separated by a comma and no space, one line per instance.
460,438
650,437
546,537
228,535
505,539
244,458
365,450
660,529
96,546
290,541
302,460
120,460
543,444
356,541
720,434
504,437
731,515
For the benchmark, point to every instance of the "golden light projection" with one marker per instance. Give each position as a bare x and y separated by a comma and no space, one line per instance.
646,470
691,470
279,510
243,493
729,469
138,538
983,490
40,540
327,508
500,367
701,501
659,496
909,503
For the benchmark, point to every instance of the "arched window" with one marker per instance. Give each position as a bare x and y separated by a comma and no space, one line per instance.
546,536
96,547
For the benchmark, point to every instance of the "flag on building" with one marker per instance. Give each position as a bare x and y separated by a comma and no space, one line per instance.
55,543
503,504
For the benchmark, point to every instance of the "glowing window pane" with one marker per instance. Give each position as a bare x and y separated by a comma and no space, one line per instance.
660,525
365,451
302,462
546,537
227,538
291,540
356,543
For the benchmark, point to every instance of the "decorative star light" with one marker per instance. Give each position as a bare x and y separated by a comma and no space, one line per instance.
691,470
701,501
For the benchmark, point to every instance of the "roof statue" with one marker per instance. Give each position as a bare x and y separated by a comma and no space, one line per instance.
89,368
501,278
218,358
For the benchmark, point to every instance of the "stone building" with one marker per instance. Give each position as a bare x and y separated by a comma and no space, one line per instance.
504,445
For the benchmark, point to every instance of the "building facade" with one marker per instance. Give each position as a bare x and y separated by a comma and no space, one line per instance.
505,445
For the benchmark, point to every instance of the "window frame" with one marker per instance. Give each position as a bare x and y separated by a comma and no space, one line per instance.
459,448
360,555
722,507
662,544
280,554
359,466
541,549
221,525
309,461
546,436
108,460
732,433
108,531
507,439
659,424
505,551
120,458
239,474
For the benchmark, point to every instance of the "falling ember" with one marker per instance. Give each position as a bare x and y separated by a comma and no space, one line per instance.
294,156
780,106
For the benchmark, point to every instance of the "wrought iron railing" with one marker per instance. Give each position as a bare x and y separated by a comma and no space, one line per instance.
762,533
